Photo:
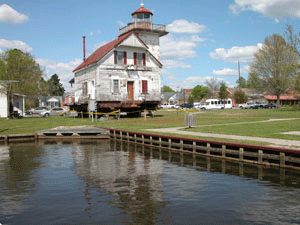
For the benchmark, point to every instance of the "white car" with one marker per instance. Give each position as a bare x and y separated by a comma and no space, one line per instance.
247,105
56,111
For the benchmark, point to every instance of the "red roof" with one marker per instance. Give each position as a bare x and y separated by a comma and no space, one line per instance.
101,52
142,10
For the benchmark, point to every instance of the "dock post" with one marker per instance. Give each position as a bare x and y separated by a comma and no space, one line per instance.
135,138
241,154
223,150
151,142
143,139
208,149
159,140
260,156
127,136
121,135
170,143
282,159
194,146
181,145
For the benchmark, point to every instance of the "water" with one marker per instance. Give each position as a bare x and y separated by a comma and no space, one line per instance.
111,182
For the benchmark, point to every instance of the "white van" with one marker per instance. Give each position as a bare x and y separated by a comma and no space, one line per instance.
217,104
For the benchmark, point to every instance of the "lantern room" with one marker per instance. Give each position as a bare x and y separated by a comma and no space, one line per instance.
142,21
142,15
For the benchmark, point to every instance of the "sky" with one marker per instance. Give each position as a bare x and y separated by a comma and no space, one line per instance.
206,39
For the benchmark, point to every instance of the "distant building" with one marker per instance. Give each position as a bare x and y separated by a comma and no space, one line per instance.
50,101
17,106
284,99
124,73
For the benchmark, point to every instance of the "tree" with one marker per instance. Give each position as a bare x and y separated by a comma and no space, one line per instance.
16,65
276,65
223,93
242,82
167,89
291,38
240,96
199,92
213,85
20,66
55,87
254,81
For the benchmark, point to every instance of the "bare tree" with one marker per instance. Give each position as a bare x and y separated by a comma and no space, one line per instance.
276,64
213,85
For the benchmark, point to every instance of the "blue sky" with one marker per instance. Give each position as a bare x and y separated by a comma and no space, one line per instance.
206,38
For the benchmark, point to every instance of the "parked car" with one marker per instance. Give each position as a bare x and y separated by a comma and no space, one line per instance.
197,105
259,105
270,106
247,105
36,110
187,106
56,111
167,106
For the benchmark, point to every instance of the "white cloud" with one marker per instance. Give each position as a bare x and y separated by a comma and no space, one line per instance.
190,82
225,72
175,50
193,38
10,15
15,44
235,54
268,8
231,72
63,70
183,26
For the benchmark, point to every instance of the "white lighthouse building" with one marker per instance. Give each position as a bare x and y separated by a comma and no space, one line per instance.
124,73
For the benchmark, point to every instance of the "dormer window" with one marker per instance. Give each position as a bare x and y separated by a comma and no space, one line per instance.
120,57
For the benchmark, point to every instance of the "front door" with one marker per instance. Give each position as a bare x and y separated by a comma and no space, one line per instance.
130,90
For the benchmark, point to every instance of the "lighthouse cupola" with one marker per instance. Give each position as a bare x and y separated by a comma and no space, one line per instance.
147,31
142,15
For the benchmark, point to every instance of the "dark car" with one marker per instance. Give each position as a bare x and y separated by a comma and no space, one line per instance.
186,106
270,106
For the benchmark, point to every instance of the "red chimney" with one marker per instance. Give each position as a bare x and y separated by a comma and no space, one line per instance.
83,48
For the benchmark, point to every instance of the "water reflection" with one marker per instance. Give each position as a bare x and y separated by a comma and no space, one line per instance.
133,180
112,182
17,165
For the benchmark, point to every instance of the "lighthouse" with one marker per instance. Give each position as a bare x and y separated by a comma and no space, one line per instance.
124,74
148,31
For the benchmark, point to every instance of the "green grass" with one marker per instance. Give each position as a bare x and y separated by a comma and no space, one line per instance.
223,121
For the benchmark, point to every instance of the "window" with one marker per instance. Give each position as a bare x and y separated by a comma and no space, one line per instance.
139,59
84,89
116,86
120,57
144,86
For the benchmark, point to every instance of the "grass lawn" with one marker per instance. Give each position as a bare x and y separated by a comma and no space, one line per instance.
219,121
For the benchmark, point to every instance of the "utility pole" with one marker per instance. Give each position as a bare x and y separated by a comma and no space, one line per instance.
239,75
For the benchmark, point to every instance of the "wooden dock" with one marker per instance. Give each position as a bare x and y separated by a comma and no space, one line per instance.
247,153
74,133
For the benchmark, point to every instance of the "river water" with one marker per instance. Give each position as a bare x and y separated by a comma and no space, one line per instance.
109,182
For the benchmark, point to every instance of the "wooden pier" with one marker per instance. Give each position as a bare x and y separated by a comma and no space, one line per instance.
254,154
